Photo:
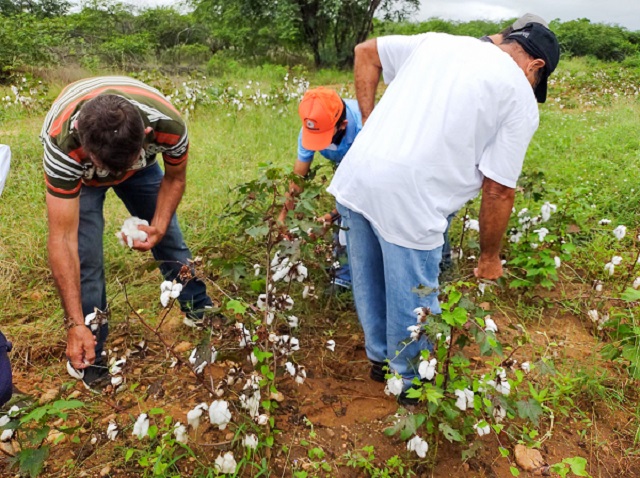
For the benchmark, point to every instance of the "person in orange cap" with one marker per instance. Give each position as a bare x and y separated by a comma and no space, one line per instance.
329,125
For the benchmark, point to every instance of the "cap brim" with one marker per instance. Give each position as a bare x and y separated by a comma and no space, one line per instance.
541,90
316,141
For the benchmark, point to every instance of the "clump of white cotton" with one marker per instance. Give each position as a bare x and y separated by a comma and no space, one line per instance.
130,231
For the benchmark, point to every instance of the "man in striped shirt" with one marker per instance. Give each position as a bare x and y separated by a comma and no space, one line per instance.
102,133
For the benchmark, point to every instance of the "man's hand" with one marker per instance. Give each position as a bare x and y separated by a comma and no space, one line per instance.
81,347
154,236
488,268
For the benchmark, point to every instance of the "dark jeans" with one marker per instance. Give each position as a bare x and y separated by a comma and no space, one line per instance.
6,386
447,261
139,194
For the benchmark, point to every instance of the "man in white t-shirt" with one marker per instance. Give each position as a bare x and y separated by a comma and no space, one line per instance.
456,118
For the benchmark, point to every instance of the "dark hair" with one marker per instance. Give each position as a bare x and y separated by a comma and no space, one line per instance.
507,31
111,129
343,115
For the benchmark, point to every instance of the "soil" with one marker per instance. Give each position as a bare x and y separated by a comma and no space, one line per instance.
338,409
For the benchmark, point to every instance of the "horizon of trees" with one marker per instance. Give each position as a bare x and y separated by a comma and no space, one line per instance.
210,33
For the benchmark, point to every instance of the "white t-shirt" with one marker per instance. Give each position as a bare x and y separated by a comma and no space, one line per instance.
456,110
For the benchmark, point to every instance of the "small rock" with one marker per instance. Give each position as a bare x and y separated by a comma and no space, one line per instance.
229,436
55,437
48,396
485,305
183,347
529,459
105,471
74,394
7,448
277,396
330,432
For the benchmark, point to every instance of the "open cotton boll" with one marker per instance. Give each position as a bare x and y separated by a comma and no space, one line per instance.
490,325
482,429
394,386
620,232
427,369
219,414
418,445
4,420
636,283
610,268
250,441
112,430
291,369
77,374
141,427
117,381
558,261
130,232
180,432
226,463
165,297
616,260
301,376
461,400
293,321
331,345
166,286
6,435
176,289
469,396
193,418
262,419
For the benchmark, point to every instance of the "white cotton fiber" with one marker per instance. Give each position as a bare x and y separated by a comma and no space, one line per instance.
130,231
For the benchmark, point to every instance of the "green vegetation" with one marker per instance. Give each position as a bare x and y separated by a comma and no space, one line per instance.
567,306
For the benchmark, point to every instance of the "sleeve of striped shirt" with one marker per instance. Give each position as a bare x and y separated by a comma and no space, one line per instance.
62,173
177,145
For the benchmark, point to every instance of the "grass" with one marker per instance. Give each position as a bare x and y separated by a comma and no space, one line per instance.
588,154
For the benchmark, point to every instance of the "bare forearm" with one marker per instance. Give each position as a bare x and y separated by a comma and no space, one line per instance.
495,210
169,196
65,267
366,71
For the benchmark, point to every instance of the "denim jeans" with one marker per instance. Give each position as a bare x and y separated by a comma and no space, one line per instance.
341,275
6,385
139,194
384,276
447,261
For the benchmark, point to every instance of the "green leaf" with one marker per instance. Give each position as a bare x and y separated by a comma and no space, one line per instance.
236,306
156,411
128,454
449,433
514,471
630,295
578,465
32,460
504,452
529,409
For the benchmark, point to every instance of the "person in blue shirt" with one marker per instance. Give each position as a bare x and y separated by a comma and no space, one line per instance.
329,126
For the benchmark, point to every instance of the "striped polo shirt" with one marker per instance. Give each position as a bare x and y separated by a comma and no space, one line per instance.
67,166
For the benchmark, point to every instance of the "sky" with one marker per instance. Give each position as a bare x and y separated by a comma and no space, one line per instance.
622,12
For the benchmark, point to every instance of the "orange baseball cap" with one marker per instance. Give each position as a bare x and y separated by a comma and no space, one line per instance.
319,111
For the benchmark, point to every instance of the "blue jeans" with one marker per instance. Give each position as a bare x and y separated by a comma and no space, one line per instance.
6,385
341,275
139,194
447,261
383,277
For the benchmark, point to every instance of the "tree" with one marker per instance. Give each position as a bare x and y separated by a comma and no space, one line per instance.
39,8
330,29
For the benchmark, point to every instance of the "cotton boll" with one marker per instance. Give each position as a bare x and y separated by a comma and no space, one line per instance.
604,222
301,376
112,430
166,286
219,414
262,420
130,232
461,400
290,368
165,297
250,441
620,232
77,374
116,381
468,394
490,325
557,261
292,321
415,331
180,432
418,445
226,463
616,260
610,268
141,427
394,386
526,367
176,289
6,435
636,283
482,429
499,414
193,418
427,369
331,345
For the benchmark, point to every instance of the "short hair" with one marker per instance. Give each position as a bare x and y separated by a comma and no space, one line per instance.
507,31
343,115
539,74
112,130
